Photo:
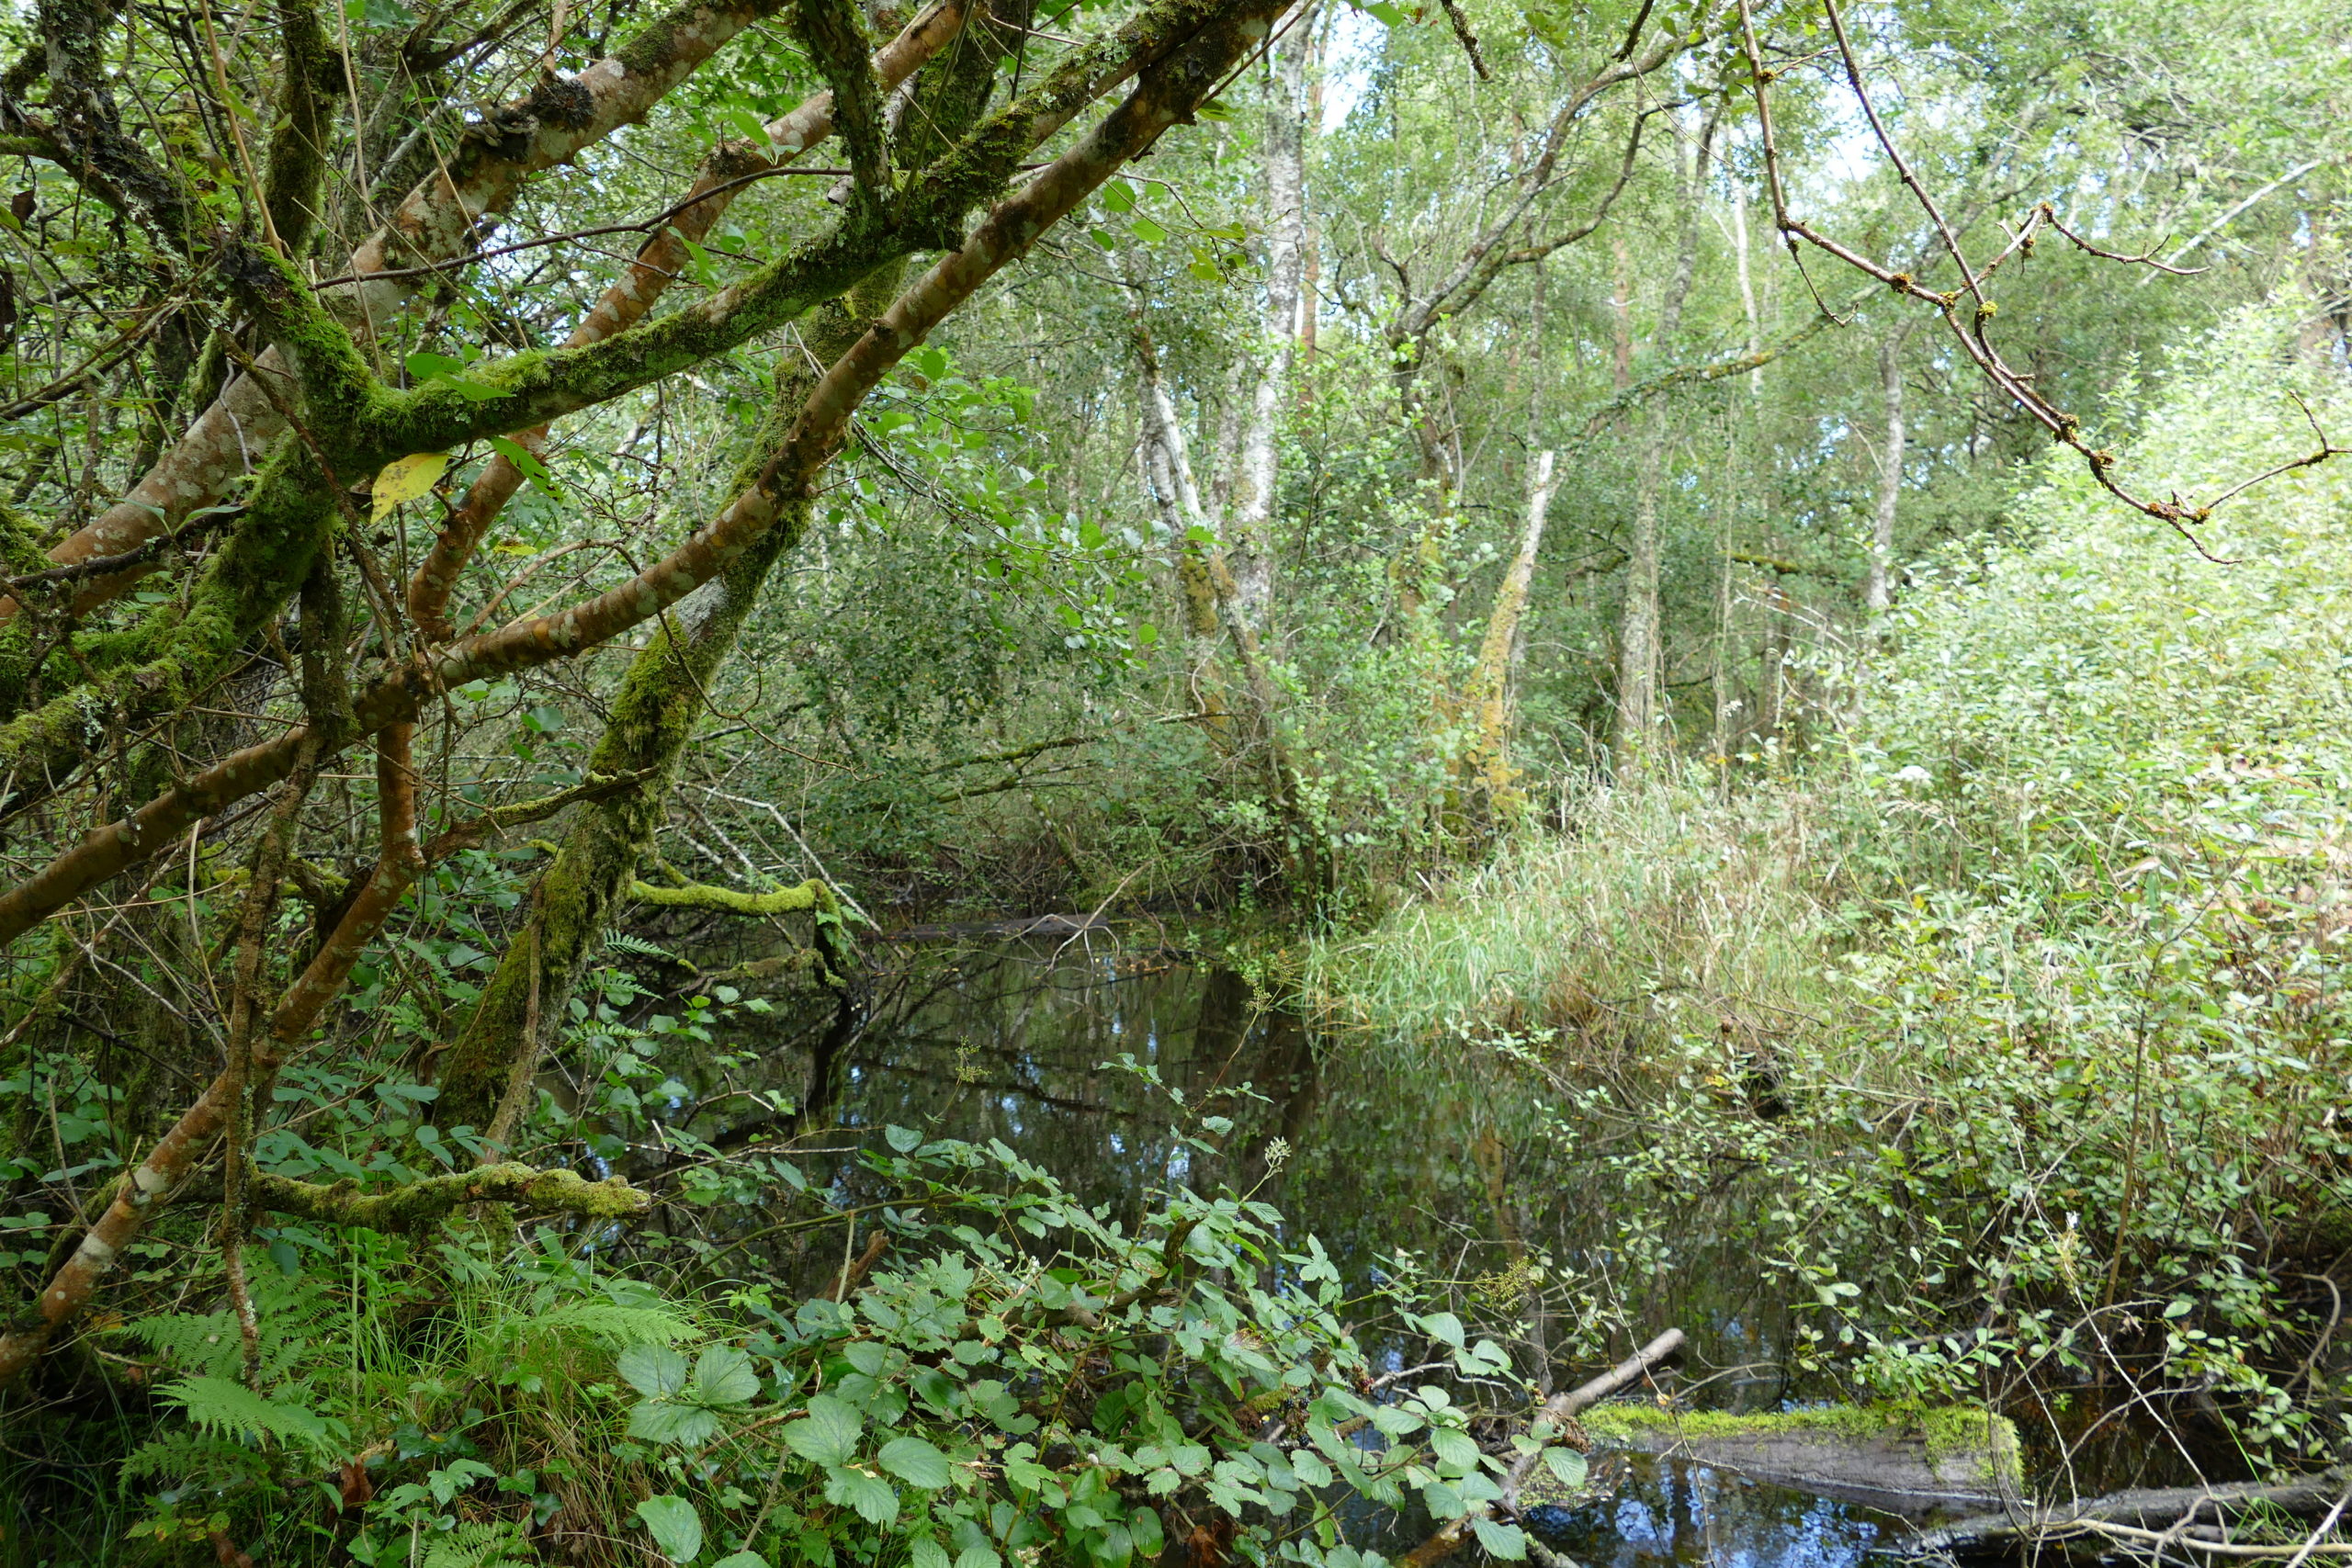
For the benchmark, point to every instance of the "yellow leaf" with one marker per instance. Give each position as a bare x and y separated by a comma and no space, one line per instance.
406,479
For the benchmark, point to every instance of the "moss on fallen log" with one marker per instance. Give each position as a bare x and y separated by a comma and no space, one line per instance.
1906,1449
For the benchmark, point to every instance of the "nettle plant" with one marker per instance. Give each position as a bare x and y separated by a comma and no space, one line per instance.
1026,1379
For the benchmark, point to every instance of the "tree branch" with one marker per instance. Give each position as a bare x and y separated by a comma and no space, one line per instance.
419,1204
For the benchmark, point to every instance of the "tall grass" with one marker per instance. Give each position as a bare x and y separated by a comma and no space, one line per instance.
1667,909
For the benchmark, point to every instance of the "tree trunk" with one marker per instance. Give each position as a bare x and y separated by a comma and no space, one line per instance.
1876,597
658,706
1168,467
1251,533
1637,629
1639,639
1488,763
1743,431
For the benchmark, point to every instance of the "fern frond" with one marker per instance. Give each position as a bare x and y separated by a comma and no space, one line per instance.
607,1323
229,1408
193,1458
498,1545
622,942
205,1344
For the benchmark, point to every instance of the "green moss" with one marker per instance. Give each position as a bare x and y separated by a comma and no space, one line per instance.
172,652
296,160
1953,1433
653,715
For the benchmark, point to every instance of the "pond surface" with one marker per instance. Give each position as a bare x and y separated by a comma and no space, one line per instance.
1396,1156
1666,1512
1436,1152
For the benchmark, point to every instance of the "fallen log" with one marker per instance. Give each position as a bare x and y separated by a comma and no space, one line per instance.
2166,1509
968,930
1555,1411
1900,1457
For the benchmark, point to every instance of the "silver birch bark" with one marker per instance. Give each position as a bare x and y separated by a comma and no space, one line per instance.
1251,533
1876,595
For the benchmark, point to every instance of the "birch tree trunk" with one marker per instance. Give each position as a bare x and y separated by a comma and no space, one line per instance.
1251,533
1637,638
1489,691
1175,490
1876,596
1743,430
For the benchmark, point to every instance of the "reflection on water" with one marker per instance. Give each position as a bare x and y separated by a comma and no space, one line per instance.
1438,1153
1664,1511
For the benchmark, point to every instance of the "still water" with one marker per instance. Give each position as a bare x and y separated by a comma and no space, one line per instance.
1433,1158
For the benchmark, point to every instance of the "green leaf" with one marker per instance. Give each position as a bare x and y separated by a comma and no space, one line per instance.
1144,1525
1150,233
916,1461
927,1552
654,1370
1443,1325
867,1356
1119,196
677,1528
1443,1501
741,1559
1454,1448
1570,1466
528,464
869,1494
424,366
671,1425
1388,15
1508,1542
724,1376
906,1140
828,1434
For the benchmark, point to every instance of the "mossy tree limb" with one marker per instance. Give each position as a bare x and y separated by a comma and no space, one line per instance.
654,716
420,1204
435,222
1190,67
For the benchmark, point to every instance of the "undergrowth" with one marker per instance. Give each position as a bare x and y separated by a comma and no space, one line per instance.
2019,1010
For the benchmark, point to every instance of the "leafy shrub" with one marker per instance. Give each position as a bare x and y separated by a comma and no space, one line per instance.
2026,995
1026,1379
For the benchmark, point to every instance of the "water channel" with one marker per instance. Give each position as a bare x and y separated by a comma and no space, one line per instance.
1440,1153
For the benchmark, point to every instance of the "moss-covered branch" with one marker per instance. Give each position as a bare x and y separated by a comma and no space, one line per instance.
421,1202
928,212
811,895
835,40
1193,42
157,664
296,166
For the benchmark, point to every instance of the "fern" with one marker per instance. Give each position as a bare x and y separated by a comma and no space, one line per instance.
193,1458
496,1545
204,1344
290,1316
637,946
229,1408
606,1323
